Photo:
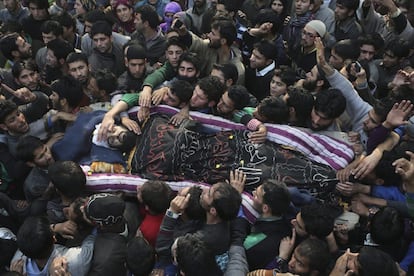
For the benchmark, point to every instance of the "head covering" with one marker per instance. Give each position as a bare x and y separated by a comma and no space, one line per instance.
409,128
172,7
105,209
318,26
88,5
123,2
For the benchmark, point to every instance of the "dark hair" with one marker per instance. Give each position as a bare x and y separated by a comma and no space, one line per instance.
194,257
212,87
40,4
267,15
239,95
276,196
68,178
136,51
8,248
227,30
128,142
101,27
98,15
286,75
347,49
274,109
318,220
317,254
66,20
6,108
74,57
60,48
330,102
35,238
176,42
26,64
8,45
382,106
26,147
387,226
303,103
150,15
350,4
192,58
226,201
374,39
105,80
194,210
229,71
373,262
399,47
68,88
52,26
80,220
156,195
267,48
139,249
182,89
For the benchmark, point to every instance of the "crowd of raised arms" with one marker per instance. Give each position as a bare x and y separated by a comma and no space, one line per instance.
89,88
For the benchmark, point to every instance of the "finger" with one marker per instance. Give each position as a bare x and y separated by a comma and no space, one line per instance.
231,175
411,155
293,235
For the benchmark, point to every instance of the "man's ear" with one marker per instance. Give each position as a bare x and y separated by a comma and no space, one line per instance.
63,102
223,41
3,127
320,83
265,209
126,62
61,61
15,54
213,211
229,82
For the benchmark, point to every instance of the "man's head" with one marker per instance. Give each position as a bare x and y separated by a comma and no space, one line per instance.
175,48
300,106
121,138
67,178
395,51
67,94
94,16
314,220
272,198
313,29
369,45
146,17
226,73
207,93
34,152
15,47
11,119
221,201
57,52
342,51
188,67
329,105
78,67
156,196
178,94
235,98
51,30
377,114
268,16
26,73
136,61
303,6
226,9
315,80
104,210
39,9
139,249
310,257
345,9
281,80
223,33
272,110
263,54
101,34
11,5
106,83
68,24
387,227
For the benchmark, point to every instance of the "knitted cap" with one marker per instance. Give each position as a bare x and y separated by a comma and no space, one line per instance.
105,209
318,26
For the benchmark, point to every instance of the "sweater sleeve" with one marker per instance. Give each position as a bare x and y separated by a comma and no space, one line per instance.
131,99
166,72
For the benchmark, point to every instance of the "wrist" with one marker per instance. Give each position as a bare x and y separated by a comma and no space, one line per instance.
387,125
174,214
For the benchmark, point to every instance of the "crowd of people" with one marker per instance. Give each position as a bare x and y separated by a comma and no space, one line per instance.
72,71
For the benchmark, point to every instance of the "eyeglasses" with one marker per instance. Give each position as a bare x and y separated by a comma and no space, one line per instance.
308,34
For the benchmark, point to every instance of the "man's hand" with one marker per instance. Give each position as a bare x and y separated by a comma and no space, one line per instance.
366,165
59,267
237,180
180,28
259,136
158,95
398,114
286,246
67,229
131,125
65,116
183,114
341,265
179,203
359,207
25,95
405,168
145,97
17,266
107,125
349,188
143,113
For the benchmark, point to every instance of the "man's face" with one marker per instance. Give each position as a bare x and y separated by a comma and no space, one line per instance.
199,3
367,52
51,59
29,79
187,71
342,12
117,136
43,157
15,123
221,11
88,27
308,37
37,13
48,37
55,100
389,59
302,6
136,67
258,199
171,99
335,60
258,60
299,225
371,121
319,121
11,5
225,105
215,38
277,87
102,43
79,70
258,115
173,54
298,264
207,197
139,24
24,48
79,9
311,81
199,99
